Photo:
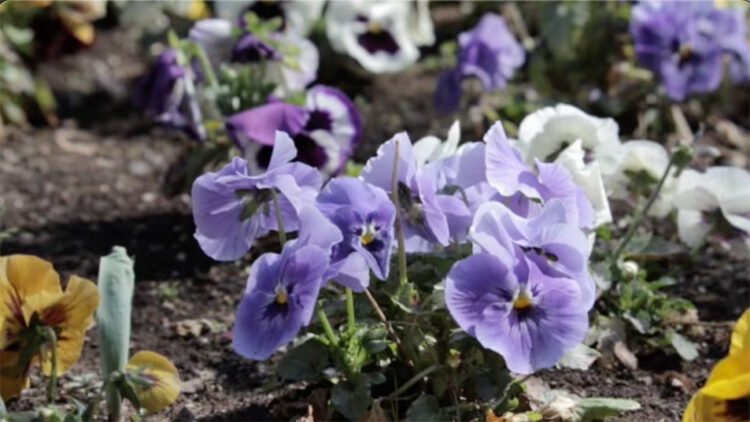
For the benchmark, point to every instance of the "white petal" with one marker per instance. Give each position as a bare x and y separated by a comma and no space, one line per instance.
691,228
421,29
694,193
588,178
427,148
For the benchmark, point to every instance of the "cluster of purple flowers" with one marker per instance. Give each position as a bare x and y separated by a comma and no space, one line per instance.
685,44
325,129
525,292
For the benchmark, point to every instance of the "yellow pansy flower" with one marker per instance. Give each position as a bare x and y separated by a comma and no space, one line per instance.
726,395
77,17
155,380
32,301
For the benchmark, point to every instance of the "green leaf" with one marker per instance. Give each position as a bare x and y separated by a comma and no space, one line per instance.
305,362
116,281
424,408
598,408
684,347
351,399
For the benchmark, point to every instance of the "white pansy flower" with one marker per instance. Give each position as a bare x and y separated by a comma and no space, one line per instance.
546,132
376,34
431,148
421,29
718,198
297,16
215,37
650,158
294,74
588,177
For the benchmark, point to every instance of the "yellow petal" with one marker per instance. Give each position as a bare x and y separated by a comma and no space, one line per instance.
741,334
690,415
12,378
83,32
729,389
730,367
75,308
29,275
69,348
161,381
198,10
26,284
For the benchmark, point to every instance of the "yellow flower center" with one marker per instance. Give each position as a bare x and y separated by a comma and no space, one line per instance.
367,238
523,301
374,27
281,295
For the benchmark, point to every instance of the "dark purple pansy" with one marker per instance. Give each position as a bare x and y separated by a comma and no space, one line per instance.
488,52
282,289
365,216
167,94
325,131
251,49
685,44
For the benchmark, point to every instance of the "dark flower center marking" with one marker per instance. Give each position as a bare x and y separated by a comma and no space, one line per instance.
376,38
254,199
541,252
267,10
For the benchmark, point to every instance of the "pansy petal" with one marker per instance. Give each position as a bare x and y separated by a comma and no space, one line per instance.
160,380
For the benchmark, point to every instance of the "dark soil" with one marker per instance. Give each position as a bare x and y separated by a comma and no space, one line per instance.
71,194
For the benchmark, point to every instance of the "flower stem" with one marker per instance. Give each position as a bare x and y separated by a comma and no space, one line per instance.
279,220
351,320
415,379
388,326
327,328
206,66
641,214
51,338
402,275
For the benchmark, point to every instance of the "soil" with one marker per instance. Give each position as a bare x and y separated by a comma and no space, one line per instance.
72,193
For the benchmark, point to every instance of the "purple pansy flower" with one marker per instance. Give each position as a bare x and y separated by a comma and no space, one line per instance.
512,308
424,220
325,130
251,49
507,301
488,52
232,208
167,94
365,216
685,43
282,289
507,172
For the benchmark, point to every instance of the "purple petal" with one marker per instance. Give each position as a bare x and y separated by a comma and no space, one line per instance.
261,123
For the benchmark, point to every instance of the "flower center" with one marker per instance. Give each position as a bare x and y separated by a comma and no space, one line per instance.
368,235
374,27
282,296
523,301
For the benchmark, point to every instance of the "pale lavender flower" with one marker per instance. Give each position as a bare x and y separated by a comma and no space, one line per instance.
488,52
514,309
424,219
507,172
232,208
282,289
365,216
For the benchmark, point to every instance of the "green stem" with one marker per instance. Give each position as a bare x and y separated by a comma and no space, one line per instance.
51,338
327,328
415,379
402,275
279,219
208,69
641,214
351,320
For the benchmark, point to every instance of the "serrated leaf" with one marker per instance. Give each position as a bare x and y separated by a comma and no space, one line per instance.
597,408
580,357
684,347
305,362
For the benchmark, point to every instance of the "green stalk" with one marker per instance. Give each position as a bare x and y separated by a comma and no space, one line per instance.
641,214
51,337
415,379
327,328
402,275
208,69
351,321
279,219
